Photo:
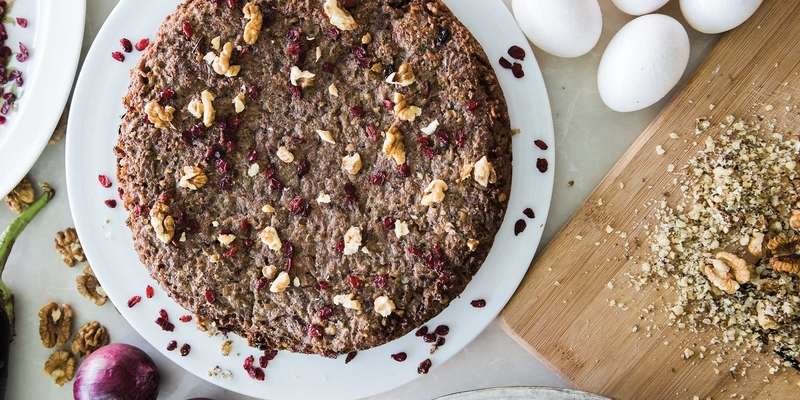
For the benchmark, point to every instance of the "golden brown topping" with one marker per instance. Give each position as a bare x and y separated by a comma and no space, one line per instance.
60,366
69,247
352,164
301,78
253,26
434,193
55,324
269,236
90,337
352,240
193,178
788,263
209,114
280,283
163,224
484,172
21,196
89,287
393,146
160,117
383,305
338,16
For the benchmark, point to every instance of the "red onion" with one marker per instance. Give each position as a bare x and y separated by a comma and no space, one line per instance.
117,371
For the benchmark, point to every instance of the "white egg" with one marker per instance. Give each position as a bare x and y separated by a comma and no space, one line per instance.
717,16
563,28
639,7
642,62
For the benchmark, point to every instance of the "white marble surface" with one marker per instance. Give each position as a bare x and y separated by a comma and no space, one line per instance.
589,139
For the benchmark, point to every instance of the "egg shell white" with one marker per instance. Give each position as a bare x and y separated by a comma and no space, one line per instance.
642,62
717,16
639,7
563,28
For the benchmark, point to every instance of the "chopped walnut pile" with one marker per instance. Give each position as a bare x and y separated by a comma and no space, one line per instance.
90,337
21,196
89,287
69,247
729,247
61,367
55,324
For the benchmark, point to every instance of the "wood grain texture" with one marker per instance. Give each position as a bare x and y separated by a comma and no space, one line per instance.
563,310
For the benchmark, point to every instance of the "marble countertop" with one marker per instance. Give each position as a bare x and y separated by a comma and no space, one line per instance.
589,140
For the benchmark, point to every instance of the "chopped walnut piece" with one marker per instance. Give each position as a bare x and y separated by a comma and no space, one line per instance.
225,239
252,28
216,42
383,305
393,146
89,287
284,155
269,271
55,324
21,196
195,108
434,193
338,16
221,64
721,279
765,313
269,236
788,263
784,243
160,117
163,224
333,90
739,267
472,244
326,136
400,229
60,366
209,114
466,170
403,77
727,271
352,240
352,164
280,283
193,178
794,220
431,128
402,110
226,347
756,244
323,198
347,301
484,172
301,78
238,103
69,247
90,337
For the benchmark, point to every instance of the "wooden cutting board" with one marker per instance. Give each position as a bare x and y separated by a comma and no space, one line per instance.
566,313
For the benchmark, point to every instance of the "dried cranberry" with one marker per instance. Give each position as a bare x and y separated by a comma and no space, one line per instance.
166,94
429,338
294,48
339,246
104,181
186,27
350,356
361,56
142,44
325,312
303,166
333,33
134,301
256,373
519,226
126,44
471,105
372,133
529,213
378,178
185,318
270,354
414,251
297,205
118,56
163,314
404,170
442,330
478,303
275,184
399,357
263,362
185,349
516,52
505,63
149,292
323,285
388,223
424,366
440,341
350,193
22,22
288,264
388,104
540,144
356,111
288,249
354,282
516,69
442,36
328,67
261,283
248,362
164,324
541,165
294,34
295,91
110,203
422,331
461,138
210,295
172,345
2,120
314,331
232,251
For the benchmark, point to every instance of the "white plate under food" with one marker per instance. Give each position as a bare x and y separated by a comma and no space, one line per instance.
523,393
92,132
54,36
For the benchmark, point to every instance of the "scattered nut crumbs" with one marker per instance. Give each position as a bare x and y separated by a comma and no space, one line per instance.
728,247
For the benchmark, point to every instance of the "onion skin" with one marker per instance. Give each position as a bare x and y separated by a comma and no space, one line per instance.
117,371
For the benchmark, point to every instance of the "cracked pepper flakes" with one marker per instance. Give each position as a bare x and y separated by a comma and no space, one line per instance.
722,246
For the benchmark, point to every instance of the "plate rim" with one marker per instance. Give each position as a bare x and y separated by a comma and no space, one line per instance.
75,185
38,124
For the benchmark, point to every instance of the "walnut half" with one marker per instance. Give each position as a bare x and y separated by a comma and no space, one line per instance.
252,28
727,271
21,196
90,337
55,324
69,247
61,367
163,224
89,287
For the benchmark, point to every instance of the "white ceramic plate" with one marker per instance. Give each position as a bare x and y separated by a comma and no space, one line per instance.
94,120
54,36
522,393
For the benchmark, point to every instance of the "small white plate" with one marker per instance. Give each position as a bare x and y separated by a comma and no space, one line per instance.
54,36
93,123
